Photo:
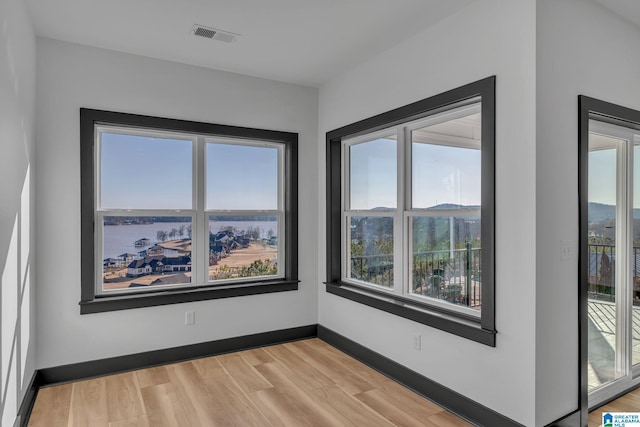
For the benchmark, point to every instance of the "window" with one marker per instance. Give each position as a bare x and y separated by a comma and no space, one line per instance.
176,211
410,211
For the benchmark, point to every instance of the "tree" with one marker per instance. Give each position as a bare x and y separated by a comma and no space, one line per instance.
161,235
181,231
253,233
189,230
606,273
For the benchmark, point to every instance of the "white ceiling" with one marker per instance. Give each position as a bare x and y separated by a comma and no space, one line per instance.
298,41
628,9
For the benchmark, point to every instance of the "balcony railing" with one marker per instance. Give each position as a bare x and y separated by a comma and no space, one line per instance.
376,269
450,275
602,262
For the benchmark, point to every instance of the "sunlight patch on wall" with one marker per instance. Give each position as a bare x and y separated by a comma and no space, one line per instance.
24,336
25,221
25,326
9,303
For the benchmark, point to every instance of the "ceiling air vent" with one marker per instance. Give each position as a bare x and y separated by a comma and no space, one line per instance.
213,34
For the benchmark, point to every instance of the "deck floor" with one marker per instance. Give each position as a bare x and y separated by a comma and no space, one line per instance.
602,341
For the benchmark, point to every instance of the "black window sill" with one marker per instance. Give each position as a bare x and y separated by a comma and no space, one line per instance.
174,296
447,321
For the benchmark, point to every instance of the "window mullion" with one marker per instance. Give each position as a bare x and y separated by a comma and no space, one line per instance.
399,247
344,209
200,237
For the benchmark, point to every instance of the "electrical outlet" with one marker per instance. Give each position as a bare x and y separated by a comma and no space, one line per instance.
189,317
417,342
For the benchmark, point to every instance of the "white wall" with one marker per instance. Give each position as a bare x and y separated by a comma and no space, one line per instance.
17,134
72,76
583,49
489,37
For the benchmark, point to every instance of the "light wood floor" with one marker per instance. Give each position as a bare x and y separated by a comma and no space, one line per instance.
630,402
303,383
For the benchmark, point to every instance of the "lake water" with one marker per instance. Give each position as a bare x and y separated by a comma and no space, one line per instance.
119,239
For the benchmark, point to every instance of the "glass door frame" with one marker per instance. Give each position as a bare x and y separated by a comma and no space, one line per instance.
624,150
605,114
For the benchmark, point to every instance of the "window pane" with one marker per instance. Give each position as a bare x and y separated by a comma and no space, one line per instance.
140,172
146,251
446,259
371,249
373,174
602,279
243,246
242,177
446,164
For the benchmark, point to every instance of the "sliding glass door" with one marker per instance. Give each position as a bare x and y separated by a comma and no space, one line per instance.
613,262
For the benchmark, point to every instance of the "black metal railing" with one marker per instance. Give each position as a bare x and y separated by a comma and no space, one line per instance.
451,275
602,272
376,269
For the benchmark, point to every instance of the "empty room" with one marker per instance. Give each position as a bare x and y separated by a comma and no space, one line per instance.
322,213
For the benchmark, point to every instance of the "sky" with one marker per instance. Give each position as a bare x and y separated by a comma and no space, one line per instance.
602,177
440,174
139,172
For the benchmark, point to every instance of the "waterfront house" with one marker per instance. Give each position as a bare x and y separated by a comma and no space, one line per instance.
110,262
155,250
142,242
158,264
143,266
126,258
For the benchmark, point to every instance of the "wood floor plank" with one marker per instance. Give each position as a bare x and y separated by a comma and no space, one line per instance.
400,414
349,410
243,373
256,356
51,408
233,406
188,384
370,375
209,367
629,400
288,397
309,377
166,407
343,377
89,403
382,383
140,421
283,408
152,376
124,400
595,418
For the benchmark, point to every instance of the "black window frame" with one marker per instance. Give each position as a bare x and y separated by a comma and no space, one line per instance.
610,113
481,330
90,302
